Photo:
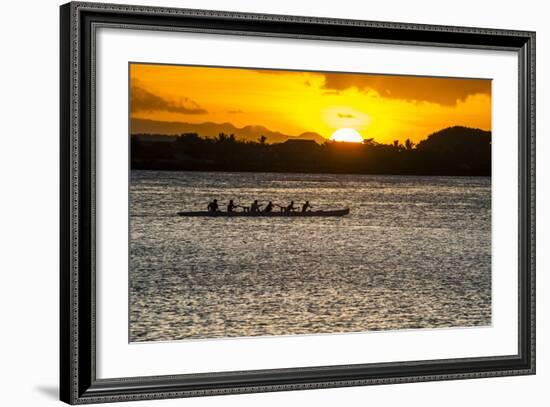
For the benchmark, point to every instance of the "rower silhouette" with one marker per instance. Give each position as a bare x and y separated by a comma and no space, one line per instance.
269,207
255,207
290,207
213,206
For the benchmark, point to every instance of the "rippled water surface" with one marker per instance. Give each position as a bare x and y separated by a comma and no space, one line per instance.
414,252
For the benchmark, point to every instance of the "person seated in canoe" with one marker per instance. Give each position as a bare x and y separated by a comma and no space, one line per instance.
213,206
231,205
306,206
255,207
269,207
290,207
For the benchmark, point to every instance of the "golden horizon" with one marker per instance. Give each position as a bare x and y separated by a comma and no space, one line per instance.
379,107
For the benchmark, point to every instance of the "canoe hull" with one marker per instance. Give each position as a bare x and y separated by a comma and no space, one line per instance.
308,214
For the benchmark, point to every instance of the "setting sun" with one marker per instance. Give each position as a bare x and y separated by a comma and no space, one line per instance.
348,135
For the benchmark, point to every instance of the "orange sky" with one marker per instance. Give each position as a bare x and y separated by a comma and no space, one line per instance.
383,107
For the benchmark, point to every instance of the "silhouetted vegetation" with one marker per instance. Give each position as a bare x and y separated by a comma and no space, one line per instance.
452,151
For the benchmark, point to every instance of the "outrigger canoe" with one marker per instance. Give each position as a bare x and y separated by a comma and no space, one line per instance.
297,214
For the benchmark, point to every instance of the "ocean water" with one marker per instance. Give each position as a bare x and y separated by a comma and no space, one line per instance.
414,252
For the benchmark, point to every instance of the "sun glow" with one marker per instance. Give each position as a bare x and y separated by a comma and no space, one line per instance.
347,135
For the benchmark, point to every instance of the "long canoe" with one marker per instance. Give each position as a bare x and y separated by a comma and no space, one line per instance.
277,214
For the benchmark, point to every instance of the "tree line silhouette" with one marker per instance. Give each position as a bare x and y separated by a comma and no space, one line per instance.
452,151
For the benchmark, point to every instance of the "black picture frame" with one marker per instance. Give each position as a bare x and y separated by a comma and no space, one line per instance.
78,382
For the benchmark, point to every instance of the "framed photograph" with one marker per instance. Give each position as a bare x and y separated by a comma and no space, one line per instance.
255,203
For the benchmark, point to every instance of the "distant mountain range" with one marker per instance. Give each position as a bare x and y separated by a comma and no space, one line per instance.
451,151
211,129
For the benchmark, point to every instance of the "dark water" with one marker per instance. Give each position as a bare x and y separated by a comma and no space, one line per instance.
414,252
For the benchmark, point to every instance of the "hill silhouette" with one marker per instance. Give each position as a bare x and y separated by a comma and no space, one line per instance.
451,151
211,130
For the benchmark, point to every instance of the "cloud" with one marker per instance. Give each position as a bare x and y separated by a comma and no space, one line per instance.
235,112
438,90
443,91
142,100
345,116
